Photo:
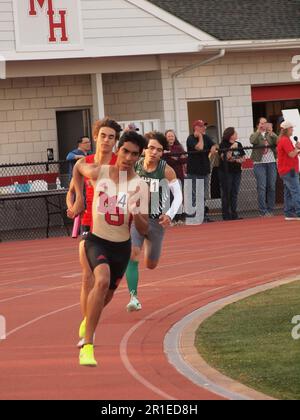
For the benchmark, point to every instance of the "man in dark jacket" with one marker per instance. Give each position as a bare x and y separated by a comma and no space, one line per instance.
198,166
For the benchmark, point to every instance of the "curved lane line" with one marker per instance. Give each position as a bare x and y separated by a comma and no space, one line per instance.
124,345
175,344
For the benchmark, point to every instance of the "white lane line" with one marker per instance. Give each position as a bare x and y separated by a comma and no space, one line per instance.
172,350
75,275
195,273
33,321
173,345
72,276
124,342
124,345
204,383
37,293
44,276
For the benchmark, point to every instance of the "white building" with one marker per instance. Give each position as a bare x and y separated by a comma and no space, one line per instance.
65,63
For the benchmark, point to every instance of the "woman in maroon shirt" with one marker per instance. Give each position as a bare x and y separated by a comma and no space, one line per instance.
176,162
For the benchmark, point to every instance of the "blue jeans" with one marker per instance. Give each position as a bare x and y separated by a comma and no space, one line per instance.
266,176
291,194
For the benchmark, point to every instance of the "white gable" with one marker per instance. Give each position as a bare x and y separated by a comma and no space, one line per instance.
109,27
7,35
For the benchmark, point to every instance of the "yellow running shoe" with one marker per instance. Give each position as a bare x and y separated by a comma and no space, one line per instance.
86,356
82,329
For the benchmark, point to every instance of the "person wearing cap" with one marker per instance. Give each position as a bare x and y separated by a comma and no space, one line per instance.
198,164
288,168
265,170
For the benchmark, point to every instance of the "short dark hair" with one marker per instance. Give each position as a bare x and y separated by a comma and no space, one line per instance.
106,122
80,140
260,118
160,137
133,137
228,133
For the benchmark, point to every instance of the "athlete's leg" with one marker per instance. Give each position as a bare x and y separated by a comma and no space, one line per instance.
96,300
88,279
95,305
132,272
132,276
109,296
88,282
150,263
153,245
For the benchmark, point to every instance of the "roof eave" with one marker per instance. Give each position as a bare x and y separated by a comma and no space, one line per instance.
253,45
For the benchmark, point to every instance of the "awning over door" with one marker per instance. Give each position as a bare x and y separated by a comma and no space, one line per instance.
275,93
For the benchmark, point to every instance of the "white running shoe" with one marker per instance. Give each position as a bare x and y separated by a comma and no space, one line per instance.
134,304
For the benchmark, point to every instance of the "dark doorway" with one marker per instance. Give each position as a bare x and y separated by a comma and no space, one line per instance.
208,111
272,110
71,125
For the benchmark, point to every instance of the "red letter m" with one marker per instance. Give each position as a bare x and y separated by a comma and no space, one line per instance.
32,11
53,25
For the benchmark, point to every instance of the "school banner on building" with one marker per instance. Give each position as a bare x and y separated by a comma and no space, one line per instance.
48,25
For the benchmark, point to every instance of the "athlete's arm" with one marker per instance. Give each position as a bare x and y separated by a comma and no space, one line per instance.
139,205
170,174
141,222
70,195
175,187
86,170
81,170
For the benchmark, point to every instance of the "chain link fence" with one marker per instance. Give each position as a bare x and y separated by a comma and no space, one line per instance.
247,201
32,198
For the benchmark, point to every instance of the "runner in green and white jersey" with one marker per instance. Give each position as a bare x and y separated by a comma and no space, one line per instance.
162,180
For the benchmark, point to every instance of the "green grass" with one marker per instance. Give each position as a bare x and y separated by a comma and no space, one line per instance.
251,342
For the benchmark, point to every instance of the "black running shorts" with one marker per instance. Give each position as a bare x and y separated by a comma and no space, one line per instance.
84,231
115,254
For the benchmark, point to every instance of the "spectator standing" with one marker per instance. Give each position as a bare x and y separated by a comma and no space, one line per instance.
83,149
288,168
230,172
264,157
198,165
176,162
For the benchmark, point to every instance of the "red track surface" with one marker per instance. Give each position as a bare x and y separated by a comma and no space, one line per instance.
39,295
